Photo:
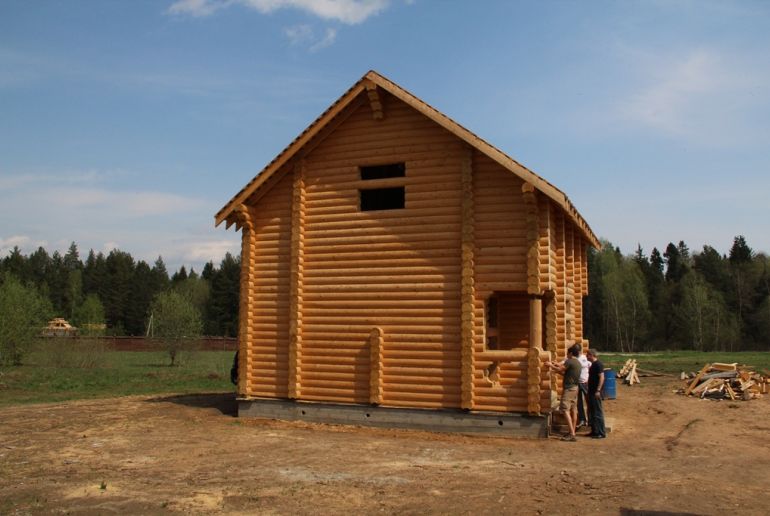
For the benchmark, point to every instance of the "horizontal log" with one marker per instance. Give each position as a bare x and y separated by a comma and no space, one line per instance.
389,273
396,390
309,392
410,138
401,224
416,157
308,366
405,320
447,363
419,377
392,261
422,239
348,384
393,336
337,307
389,354
447,399
396,246
410,290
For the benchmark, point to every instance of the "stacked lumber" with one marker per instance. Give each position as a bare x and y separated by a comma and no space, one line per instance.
628,373
725,381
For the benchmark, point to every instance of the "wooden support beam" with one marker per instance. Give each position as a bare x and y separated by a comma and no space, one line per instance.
375,100
295,282
467,294
533,239
248,240
534,365
375,366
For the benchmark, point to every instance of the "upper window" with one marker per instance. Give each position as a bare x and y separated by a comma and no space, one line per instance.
383,171
390,196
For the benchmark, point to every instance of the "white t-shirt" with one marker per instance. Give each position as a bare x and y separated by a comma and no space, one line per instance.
584,370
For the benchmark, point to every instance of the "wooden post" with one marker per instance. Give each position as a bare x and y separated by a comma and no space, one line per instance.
295,280
533,360
248,259
535,303
533,239
375,366
467,295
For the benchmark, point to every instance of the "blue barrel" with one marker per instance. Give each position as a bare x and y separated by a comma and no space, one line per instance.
609,391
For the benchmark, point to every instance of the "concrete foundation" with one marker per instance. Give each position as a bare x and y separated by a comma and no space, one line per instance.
444,420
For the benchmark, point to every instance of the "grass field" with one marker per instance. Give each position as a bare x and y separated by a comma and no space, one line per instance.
51,374
48,376
674,362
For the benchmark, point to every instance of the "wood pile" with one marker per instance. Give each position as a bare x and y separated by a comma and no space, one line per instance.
725,382
630,372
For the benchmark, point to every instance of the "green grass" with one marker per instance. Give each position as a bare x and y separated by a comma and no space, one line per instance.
674,362
114,373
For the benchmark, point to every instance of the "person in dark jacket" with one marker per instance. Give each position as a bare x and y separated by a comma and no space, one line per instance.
595,384
234,370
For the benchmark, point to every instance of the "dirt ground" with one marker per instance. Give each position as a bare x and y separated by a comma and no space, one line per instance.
667,454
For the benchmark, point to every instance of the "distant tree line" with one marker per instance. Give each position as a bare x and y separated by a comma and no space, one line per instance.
704,301
675,300
118,290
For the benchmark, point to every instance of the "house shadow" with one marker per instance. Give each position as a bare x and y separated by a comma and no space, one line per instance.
224,402
641,512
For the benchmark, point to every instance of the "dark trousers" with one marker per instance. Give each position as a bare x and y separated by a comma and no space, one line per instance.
582,402
597,415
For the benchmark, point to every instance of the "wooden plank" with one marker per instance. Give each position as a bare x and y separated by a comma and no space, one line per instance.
696,379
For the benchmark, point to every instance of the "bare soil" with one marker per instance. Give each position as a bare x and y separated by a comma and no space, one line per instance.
667,454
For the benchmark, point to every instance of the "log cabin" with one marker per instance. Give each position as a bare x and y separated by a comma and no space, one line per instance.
392,258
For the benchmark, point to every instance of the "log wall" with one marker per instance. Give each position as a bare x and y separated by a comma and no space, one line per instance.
266,293
395,270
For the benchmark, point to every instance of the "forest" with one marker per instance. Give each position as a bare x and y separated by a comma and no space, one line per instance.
705,301
118,290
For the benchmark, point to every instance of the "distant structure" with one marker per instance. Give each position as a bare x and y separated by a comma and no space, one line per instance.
59,327
391,257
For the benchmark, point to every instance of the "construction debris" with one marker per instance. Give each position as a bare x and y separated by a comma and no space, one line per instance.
725,382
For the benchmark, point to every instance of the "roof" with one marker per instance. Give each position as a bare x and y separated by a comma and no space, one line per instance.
435,115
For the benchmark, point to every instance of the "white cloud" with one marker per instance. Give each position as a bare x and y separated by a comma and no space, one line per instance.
198,8
328,39
702,97
128,203
205,250
61,208
350,12
304,35
23,242
299,34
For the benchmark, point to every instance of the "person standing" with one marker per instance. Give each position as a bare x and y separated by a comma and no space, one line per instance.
582,399
595,384
571,371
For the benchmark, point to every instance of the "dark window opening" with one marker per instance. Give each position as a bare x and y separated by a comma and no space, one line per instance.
492,315
383,171
383,199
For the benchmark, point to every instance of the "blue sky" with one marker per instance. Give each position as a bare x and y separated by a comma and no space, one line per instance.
128,124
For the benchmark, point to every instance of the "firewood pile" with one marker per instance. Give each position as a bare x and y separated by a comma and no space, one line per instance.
630,372
725,382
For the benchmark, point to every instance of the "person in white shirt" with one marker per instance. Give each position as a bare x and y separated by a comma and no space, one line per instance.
582,401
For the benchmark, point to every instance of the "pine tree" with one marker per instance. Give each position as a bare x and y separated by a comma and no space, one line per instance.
222,307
